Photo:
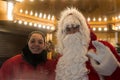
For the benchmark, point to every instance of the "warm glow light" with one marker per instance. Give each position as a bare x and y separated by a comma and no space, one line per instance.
119,16
21,11
113,27
99,19
94,29
99,29
116,18
30,24
94,19
116,28
35,25
10,7
50,37
20,22
105,29
31,0
88,19
113,18
25,23
44,16
49,17
26,12
119,27
36,14
52,28
105,19
53,18
48,27
31,13
39,25
19,0
44,26
40,15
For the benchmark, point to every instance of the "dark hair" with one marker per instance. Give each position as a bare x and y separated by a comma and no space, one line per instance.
38,32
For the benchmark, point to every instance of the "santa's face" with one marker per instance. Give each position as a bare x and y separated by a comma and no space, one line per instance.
74,37
71,25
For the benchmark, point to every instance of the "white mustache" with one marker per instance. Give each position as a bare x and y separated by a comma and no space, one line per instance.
72,39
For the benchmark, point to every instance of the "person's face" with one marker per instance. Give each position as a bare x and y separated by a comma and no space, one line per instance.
36,43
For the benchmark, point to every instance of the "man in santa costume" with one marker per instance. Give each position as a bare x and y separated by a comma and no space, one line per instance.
83,56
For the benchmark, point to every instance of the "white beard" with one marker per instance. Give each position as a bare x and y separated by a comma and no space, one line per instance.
71,66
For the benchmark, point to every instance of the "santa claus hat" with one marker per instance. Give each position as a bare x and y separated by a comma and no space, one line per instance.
72,16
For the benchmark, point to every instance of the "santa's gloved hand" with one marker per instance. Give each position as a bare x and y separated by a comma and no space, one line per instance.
103,59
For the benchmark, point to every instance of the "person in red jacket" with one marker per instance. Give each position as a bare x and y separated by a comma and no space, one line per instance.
83,56
31,64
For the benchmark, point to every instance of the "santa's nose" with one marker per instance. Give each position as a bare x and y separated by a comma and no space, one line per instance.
72,30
